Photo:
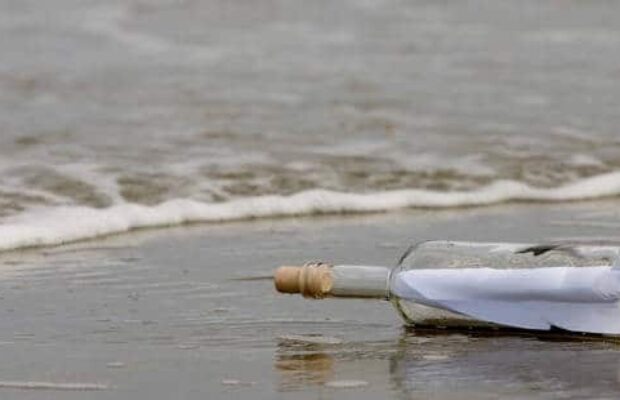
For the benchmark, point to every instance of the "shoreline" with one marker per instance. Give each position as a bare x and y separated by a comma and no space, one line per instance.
460,210
175,313
48,226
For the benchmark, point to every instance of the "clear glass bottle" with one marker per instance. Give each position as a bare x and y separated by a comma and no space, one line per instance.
448,254
320,280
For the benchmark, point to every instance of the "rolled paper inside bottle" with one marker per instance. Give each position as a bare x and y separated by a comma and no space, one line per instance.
324,280
580,299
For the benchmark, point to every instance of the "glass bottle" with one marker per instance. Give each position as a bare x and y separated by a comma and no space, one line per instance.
536,270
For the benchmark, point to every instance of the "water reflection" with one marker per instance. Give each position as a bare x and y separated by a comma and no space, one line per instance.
302,363
453,365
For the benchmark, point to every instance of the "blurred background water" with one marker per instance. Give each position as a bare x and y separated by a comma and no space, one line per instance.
105,103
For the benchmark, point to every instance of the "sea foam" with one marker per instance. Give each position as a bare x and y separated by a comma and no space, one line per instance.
53,226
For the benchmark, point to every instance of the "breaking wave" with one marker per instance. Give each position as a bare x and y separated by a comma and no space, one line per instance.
57,225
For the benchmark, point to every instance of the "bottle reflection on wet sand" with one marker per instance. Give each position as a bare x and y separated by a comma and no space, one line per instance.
301,364
454,365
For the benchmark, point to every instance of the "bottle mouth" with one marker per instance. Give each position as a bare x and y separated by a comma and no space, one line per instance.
311,280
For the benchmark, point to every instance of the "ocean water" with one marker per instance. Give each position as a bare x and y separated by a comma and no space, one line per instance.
125,114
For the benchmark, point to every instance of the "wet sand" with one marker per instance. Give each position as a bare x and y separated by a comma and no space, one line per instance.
186,313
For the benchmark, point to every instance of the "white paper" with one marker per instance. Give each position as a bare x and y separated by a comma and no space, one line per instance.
583,299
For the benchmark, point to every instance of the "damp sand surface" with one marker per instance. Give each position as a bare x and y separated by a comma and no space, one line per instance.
189,313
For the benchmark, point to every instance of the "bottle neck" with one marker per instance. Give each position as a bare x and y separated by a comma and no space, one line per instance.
323,280
360,281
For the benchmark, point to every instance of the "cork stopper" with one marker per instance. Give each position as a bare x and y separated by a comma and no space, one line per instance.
313,280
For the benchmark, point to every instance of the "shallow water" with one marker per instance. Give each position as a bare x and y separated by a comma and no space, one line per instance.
134,102
191,313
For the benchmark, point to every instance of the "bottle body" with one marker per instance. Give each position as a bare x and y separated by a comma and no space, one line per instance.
497,256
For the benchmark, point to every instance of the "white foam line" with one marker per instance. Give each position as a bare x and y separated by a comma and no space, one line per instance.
52,226
51,385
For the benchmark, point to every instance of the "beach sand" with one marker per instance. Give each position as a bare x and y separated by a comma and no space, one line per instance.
190,313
